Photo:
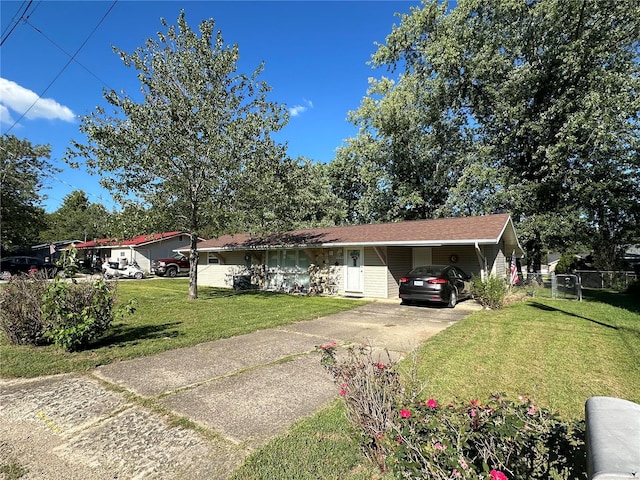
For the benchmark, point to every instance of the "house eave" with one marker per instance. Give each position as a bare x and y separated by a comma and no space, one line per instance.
398,243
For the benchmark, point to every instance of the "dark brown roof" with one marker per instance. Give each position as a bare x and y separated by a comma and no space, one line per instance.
464,230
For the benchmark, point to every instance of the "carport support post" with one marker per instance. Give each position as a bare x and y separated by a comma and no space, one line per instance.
193,266
482,261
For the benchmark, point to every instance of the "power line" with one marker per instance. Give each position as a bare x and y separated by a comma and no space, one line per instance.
67,54
17,22
65,66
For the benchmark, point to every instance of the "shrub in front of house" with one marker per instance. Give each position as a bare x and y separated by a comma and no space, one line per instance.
68,314
489,292
21,309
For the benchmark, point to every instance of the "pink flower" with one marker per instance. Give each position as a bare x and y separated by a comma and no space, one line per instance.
496,475
463,464
405,413
532,410
432,403
456,473
381,366
343,392
472,413
439,446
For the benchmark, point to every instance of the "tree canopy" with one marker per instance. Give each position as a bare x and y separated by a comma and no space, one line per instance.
530,107
195,142
24,167
76,219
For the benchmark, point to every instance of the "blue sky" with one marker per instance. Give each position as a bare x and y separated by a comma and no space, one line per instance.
315,56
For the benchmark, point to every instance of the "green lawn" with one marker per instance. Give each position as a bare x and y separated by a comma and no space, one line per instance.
166,319
558,353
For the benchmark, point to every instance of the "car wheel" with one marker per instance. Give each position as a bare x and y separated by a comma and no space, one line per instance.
138,276
172,272
453,299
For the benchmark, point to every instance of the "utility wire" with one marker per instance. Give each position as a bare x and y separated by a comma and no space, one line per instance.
5,37
67,54
65,66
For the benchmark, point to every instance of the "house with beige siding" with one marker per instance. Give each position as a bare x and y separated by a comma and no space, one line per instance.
357,260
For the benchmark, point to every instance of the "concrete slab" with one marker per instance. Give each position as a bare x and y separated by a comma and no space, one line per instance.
260,404
184,367
247,389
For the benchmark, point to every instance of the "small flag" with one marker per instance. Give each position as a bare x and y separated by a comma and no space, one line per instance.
514,280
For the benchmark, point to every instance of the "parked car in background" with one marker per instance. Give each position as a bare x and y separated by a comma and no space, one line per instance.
170,266
435,283
22,264
122,270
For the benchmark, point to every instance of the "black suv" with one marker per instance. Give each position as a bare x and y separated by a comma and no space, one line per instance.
15,265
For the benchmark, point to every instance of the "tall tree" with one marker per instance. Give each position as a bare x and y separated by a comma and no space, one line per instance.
538,99
22,171
197,141
76,219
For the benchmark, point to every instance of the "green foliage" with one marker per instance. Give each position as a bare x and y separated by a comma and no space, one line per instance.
499,439
490,292
566,263
198,142
71,315
75,314
466,440
76,219
22,168
528,107
20,309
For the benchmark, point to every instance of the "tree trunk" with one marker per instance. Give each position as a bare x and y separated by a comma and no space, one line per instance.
193,267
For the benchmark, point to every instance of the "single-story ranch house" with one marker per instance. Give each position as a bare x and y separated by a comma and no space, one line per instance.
141,249
357,260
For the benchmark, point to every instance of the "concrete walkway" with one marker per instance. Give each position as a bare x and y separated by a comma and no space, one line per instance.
122,421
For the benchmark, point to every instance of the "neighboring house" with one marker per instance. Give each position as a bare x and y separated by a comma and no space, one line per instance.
50,252
358,260
143,248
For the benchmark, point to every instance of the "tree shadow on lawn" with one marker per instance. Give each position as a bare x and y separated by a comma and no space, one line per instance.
547,308
211,293
626,301
122,334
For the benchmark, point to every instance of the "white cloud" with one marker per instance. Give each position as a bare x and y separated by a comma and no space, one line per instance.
298,109
5,116
20,100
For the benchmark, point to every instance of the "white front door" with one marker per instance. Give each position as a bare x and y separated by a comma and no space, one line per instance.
355,270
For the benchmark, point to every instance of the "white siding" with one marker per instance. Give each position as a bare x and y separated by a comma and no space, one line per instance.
375,274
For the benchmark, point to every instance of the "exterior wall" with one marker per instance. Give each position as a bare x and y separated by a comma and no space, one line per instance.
399,263
380,280
375,274
144,254
467,258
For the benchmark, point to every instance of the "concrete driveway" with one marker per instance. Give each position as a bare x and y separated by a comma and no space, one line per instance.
123,421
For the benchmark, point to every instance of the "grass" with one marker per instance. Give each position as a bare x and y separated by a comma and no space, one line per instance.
557,352
166,319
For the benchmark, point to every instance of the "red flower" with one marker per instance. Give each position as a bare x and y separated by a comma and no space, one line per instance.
432,403
405,413
343,392
496,475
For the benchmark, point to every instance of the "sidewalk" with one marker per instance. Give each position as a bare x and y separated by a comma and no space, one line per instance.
116,422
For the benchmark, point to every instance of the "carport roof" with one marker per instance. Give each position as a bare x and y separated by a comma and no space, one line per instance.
487,229
138,241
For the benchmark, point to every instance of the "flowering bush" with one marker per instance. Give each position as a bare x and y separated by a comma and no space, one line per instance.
496,440
370,389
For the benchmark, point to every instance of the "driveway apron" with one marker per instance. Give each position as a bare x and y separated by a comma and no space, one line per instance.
127,420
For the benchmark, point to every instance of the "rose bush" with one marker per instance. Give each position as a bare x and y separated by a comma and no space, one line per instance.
498,439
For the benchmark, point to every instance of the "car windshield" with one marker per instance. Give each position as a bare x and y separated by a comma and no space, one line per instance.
428,270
